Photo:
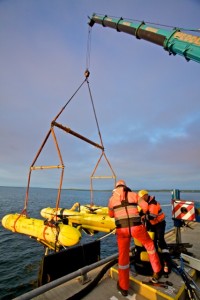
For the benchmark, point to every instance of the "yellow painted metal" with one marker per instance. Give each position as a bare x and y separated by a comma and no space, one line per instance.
94,221
63,235
137,243
47,167
153,292
100,210
144,256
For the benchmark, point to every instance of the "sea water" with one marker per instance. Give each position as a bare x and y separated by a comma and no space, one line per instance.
21,256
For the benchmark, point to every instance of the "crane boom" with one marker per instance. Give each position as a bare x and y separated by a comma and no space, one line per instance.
174,41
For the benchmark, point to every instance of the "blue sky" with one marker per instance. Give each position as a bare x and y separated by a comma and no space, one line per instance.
147,102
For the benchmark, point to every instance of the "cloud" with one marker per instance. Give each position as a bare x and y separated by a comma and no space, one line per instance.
146,102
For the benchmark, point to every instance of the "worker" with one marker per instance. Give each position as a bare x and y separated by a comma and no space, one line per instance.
123,206
155,222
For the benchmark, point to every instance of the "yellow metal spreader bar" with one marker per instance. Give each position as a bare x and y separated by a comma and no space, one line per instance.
47,167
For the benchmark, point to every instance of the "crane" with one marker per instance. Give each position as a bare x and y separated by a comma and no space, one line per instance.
174,41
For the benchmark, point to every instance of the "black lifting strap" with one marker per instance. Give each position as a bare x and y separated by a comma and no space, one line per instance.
126,203
82,293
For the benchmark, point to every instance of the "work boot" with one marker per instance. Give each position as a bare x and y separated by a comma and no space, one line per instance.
123,292
156,277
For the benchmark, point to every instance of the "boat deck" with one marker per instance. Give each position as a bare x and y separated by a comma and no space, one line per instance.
106,288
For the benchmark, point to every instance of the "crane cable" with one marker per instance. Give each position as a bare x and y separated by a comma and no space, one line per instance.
88,51
87,73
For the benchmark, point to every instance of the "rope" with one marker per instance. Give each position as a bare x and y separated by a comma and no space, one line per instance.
69,100
14,226
106,235
95,114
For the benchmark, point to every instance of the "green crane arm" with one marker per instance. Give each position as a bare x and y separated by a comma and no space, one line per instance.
174,41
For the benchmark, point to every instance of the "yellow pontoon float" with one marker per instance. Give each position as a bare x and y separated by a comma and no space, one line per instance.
89,221
45,232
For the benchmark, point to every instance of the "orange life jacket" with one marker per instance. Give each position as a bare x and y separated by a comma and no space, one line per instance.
155,214
123,206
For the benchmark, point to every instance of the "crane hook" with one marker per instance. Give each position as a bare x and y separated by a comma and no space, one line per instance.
87,73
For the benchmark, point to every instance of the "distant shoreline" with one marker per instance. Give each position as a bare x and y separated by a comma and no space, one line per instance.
105,190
